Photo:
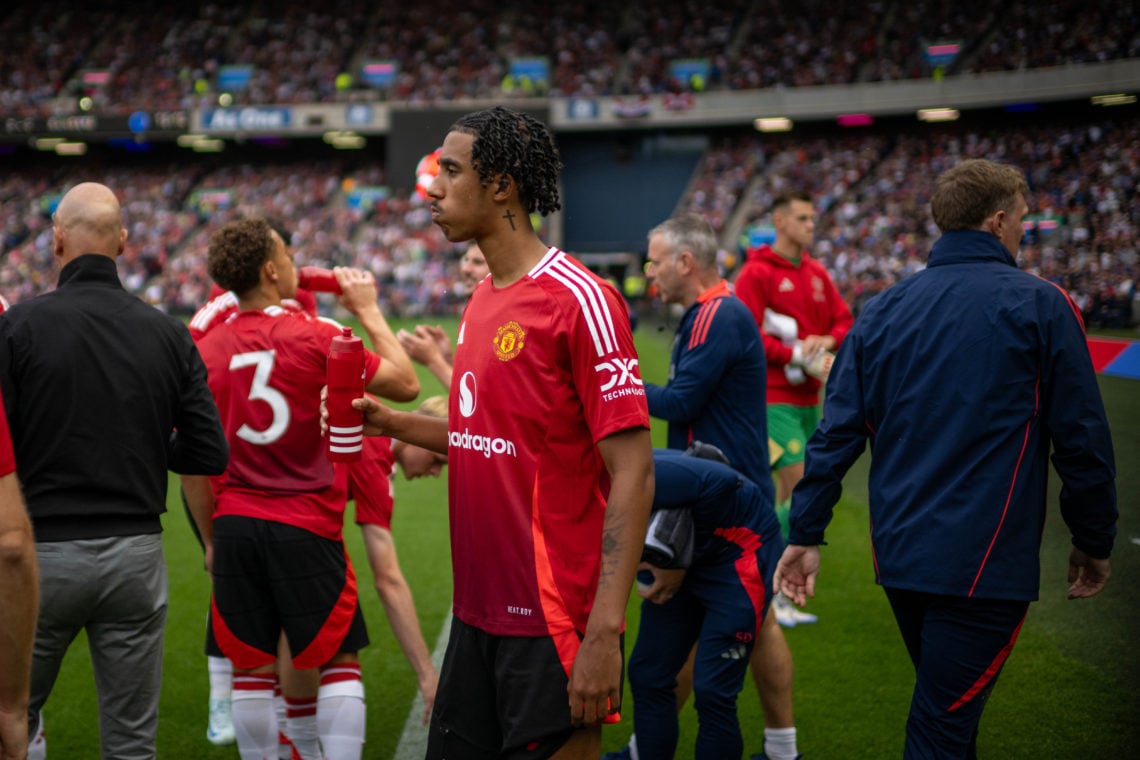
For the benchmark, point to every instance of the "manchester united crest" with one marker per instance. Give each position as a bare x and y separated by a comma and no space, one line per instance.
509,340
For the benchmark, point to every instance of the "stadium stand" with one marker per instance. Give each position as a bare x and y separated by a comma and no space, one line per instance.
130,55
872,190
871,184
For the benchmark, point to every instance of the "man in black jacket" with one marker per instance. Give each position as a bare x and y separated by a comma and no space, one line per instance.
104,394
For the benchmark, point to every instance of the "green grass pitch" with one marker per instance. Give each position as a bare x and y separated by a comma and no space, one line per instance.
1069,689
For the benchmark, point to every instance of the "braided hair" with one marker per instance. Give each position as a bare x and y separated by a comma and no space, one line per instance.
511,143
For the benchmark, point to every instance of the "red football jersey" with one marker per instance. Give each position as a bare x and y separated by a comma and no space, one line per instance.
7,456
544,369
266,369
223,304
370,482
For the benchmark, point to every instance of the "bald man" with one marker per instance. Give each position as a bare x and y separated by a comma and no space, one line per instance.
104,394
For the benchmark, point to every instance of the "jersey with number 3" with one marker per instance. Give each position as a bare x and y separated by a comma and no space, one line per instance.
544,369
266,369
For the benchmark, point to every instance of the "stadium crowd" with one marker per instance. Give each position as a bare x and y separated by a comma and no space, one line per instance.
125,56
873,191
871,188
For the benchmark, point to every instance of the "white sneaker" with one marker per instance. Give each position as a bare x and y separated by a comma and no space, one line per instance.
37,747
788,615
221,728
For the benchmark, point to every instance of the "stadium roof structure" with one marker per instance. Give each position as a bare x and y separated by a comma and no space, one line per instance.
1014,89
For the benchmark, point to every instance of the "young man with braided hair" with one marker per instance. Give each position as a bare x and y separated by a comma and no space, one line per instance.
550,463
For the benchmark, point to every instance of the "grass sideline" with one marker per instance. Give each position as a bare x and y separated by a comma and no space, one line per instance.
1068,690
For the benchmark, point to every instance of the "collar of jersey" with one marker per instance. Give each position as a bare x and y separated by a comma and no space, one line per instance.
716,291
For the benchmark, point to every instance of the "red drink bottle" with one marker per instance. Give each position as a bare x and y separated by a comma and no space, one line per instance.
345,383
317,280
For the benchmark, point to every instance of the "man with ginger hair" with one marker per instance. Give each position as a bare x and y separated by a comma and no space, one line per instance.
965,379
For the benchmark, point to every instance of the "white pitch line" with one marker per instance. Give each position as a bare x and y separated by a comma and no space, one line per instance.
413,742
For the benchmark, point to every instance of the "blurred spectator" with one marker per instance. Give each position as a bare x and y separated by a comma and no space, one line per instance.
872,187
161,57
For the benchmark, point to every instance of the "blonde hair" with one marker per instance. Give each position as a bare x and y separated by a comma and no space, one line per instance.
433,406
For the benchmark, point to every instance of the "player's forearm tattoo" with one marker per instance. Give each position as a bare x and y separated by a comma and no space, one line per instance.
510,217
610,543
611,549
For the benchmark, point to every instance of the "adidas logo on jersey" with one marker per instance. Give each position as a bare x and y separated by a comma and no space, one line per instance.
787,285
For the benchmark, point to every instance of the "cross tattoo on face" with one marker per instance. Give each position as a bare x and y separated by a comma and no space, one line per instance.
510,217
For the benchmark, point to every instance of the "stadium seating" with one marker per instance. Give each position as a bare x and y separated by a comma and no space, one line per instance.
125,56
872,185
872,190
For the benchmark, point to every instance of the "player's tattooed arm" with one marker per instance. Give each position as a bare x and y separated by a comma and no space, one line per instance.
595,680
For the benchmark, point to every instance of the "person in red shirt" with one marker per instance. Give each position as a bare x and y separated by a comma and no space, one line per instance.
370,487
19,603
274,543
371,484
550,466
429,345
220,306
802,320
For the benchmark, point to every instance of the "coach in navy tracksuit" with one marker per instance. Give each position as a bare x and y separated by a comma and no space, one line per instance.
717,373
716,394
961,377
718,603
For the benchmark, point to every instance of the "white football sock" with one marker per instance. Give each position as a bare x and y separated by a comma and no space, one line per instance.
37,744
221,673
780,743
340,711
255,723
301,719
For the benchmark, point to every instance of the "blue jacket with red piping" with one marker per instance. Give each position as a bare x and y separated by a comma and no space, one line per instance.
715,392
961,377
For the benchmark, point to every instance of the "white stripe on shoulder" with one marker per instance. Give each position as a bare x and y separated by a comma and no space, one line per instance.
589,294
598,306
552,253
208,313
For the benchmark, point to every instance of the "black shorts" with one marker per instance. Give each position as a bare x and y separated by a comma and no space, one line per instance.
212,648
271,577
500,697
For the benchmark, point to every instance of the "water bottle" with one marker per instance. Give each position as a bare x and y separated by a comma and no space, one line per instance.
345,383
317,280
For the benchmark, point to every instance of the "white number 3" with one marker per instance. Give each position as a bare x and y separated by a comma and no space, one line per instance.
260,390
